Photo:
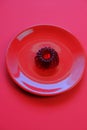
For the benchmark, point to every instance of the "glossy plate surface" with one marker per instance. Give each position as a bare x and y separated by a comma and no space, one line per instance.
21,63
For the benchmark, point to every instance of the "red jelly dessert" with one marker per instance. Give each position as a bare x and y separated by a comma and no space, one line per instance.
46,58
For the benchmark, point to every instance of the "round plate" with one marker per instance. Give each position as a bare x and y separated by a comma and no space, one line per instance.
20,60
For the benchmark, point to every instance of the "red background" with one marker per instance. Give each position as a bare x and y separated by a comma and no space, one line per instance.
20,110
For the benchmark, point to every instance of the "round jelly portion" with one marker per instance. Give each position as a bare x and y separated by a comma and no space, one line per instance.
46,58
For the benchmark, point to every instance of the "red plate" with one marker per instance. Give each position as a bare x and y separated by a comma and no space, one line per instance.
24,71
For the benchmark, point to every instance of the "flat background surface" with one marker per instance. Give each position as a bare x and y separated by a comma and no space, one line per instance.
20,110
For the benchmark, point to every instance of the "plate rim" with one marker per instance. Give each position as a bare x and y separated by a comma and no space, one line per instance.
47,94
